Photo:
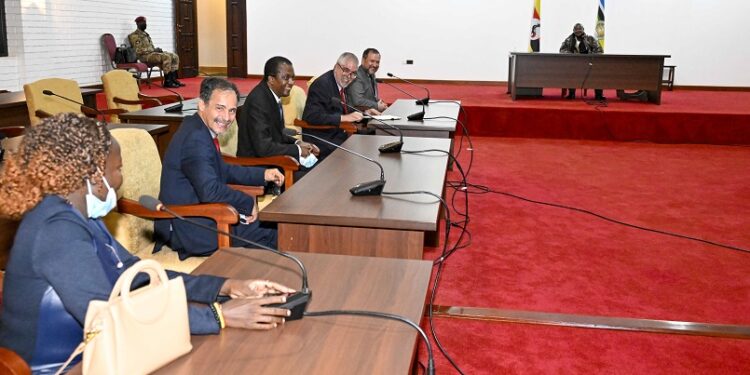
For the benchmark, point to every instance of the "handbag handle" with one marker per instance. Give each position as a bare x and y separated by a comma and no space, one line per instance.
157,279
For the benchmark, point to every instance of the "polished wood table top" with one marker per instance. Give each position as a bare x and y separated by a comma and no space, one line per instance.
318,345
322,196
444,109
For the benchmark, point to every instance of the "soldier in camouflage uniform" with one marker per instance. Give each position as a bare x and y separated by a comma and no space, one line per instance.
168,62
579,42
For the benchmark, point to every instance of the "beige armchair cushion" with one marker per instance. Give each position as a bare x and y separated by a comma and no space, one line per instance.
141,171
121,84
36,100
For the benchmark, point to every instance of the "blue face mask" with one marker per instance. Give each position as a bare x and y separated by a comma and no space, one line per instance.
308,161
96,207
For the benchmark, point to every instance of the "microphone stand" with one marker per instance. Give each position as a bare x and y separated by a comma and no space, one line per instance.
177,107
425,101
387,148
296,302
374,187
419,116
83,106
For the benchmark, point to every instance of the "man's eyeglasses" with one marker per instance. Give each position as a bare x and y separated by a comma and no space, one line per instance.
351,73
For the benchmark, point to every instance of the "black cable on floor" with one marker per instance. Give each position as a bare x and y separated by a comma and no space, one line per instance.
486,190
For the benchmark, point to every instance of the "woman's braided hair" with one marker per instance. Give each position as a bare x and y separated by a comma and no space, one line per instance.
55,157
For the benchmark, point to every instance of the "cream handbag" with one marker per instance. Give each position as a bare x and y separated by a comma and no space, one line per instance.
136,332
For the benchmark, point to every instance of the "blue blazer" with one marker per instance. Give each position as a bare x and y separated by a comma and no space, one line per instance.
194,172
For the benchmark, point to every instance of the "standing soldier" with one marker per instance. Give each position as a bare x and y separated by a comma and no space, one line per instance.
168,62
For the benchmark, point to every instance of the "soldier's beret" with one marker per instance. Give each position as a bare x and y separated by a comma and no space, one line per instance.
140,19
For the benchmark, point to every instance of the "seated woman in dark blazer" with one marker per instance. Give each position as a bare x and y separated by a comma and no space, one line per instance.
61,182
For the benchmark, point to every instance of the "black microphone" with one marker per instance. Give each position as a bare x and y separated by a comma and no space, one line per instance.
388,147
177,107
419,116
425,101
51,93
296,302
374,187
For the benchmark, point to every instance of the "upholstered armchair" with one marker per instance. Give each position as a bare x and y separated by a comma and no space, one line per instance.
132,225
41,105
293,106
121,90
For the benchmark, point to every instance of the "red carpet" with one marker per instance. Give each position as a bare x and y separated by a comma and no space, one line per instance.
530,257
709,117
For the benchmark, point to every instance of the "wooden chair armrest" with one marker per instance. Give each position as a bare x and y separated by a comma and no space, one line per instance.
253,191
285,162
164,99
281,161
349,127
142,101
12,131
42,114
219,212
91,112
13,363
223,214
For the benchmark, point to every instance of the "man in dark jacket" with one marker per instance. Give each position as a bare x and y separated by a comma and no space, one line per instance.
261,119
194,172
321,109
579,42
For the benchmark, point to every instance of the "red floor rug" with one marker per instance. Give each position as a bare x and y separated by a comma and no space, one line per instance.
527,256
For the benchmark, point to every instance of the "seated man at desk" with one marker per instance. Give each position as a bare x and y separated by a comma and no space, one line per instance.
261,119
320,109
363,91
579,42
193,171
144,48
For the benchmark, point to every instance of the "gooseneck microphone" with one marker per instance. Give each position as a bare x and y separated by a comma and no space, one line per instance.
177,107
83,106
390,147
419,116
425,101
296,302
374,187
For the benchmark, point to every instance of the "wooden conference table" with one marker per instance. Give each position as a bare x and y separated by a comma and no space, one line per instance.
528,73
319,215
317,345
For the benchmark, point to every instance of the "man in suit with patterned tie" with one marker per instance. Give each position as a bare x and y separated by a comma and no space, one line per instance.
320,109
363,92
261,119
193,171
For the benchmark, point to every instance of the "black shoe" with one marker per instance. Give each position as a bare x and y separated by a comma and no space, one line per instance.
171,84
570,96
601,98
179,84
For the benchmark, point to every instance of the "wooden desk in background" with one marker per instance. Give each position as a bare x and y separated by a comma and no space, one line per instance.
319,215
317,345
13,110
530,72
